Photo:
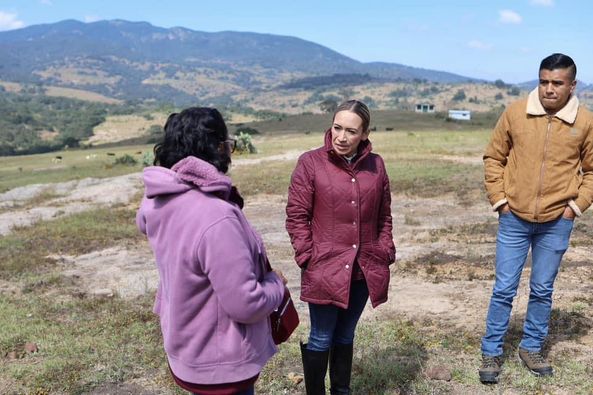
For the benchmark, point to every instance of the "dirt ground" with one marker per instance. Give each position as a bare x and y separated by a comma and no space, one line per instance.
443,273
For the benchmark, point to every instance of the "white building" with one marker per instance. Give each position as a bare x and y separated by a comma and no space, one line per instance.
463,115
424,107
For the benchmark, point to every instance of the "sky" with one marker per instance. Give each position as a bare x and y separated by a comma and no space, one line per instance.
495,39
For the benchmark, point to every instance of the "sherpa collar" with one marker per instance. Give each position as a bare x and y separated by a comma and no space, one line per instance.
568,113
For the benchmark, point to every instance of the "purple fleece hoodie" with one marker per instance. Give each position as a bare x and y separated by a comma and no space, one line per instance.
214,294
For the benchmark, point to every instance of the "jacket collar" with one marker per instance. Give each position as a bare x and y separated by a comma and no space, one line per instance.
568,113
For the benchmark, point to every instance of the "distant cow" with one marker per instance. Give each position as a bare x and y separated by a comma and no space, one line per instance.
111,154
138,152
57,159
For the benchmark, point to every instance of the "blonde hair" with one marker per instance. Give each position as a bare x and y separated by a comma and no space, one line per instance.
359,108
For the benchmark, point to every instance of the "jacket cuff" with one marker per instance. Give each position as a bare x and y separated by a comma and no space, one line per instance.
572,204
497,205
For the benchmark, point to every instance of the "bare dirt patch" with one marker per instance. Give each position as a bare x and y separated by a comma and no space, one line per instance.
120,271
74,196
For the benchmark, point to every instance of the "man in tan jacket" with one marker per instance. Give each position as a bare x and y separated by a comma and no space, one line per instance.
539,175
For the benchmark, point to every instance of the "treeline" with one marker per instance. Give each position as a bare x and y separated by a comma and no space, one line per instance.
33,123
331,80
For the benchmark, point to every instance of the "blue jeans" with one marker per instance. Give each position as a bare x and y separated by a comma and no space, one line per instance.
548,242
332,325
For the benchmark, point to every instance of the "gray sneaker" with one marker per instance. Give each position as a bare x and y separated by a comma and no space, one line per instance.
490,369
536,362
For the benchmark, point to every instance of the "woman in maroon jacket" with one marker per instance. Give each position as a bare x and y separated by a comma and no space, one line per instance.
339,222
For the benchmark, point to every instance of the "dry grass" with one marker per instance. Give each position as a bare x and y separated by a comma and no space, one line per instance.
105,345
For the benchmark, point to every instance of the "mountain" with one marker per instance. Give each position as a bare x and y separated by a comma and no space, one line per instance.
139,61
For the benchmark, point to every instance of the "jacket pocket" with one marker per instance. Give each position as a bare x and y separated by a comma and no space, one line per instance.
319,255
379,253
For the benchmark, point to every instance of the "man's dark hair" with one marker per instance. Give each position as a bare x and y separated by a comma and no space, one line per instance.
195,131
559,61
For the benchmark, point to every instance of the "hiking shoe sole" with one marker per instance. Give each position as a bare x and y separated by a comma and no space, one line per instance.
544,373
488,378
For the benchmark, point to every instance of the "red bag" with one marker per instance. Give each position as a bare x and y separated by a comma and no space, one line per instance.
284,319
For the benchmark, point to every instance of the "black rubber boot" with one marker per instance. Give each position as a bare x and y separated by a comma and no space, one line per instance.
314,367
340,369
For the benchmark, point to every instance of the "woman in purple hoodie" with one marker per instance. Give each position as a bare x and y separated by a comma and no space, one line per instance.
215,294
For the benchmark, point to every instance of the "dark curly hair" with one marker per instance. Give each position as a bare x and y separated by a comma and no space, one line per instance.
195,131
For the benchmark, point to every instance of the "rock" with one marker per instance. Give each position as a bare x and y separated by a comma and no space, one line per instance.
12,355
31,347
295,378
439,373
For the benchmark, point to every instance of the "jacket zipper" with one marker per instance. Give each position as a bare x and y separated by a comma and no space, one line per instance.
543,168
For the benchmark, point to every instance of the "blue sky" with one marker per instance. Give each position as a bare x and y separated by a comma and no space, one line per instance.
485,39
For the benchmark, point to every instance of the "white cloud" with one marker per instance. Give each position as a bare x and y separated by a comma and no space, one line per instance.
477,44
46,2
91,18
9,21
509,16
543,3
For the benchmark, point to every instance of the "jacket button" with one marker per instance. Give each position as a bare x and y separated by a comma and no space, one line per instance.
353,180
347,266
353,245
353,202
353,222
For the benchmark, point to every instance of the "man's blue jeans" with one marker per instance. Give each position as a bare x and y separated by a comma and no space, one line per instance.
333,325
548,242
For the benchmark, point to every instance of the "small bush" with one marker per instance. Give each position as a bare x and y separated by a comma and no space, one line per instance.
245,144
147,159
514,91
127,160
248,130
459,96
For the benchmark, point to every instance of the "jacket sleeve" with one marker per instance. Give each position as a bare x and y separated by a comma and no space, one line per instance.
385,221
140,219
299,210
495,160
231,272
585,196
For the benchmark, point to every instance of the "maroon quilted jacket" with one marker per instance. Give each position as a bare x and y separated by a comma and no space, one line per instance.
336,213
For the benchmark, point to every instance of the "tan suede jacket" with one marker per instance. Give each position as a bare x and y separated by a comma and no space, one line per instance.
538,163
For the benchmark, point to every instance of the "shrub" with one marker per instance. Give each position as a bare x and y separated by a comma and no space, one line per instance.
500,84
459,96
514,91
248,130
328,105
245,144
147,159
127,160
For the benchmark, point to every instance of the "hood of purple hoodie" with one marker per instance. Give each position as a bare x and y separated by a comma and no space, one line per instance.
186,174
